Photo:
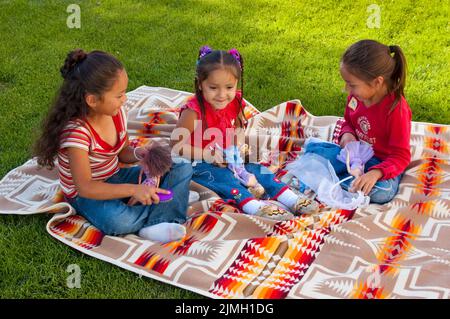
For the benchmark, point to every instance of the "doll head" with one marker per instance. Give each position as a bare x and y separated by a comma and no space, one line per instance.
157,160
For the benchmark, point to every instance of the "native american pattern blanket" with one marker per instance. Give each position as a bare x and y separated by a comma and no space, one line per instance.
397,250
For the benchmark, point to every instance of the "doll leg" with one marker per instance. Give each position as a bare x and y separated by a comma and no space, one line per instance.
297,203
246,178
221,181
267,179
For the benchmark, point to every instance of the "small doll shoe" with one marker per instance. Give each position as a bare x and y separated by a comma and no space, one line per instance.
243,176
304,205
258,190
274,212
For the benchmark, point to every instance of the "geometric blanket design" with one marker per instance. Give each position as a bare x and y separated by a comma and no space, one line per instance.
396,250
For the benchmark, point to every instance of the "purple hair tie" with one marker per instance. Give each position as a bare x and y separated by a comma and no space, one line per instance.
204,50
235,53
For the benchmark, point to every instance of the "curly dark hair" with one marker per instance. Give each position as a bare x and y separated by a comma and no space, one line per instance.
94,73
157,159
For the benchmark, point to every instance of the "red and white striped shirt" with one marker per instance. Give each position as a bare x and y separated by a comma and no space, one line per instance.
103,158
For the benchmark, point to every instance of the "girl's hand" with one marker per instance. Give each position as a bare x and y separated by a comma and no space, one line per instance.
216,157
146,195
347,138
366,181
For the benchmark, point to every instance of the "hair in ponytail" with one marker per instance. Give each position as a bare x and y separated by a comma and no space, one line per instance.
83,73
368,59
398,77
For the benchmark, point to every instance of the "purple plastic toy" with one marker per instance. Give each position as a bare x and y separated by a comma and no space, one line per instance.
165,197
355,154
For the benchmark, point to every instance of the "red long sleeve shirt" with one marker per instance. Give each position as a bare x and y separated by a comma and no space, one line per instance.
388,132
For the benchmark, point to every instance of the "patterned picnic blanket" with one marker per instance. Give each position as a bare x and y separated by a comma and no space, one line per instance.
397,250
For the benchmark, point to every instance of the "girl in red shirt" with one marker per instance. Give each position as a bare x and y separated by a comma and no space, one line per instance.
209,119
377,113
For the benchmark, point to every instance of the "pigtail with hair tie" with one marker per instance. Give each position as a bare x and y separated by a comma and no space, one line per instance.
398,77
235,53
399,72
392,49
239,59
204,50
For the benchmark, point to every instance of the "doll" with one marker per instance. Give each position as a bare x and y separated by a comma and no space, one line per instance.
235,163
155,163
355,154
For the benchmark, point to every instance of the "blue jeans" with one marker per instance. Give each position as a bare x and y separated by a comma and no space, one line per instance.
222,181
115,217
382,192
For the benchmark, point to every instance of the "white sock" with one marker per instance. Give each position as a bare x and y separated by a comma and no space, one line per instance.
163,232
252,206
288,198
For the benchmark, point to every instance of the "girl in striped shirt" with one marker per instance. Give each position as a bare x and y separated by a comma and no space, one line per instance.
86,133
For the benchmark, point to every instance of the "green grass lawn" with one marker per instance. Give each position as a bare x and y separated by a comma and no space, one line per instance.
291,50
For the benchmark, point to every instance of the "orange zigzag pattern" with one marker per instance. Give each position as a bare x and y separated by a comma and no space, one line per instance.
424,208
366,291
295,109
149,129
436,144
293,265
390,254
396,247
204,223
249,270
286,270
291,226
76,229
153,261
139,141
247,266
430,176
250,112
180,247
437,130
